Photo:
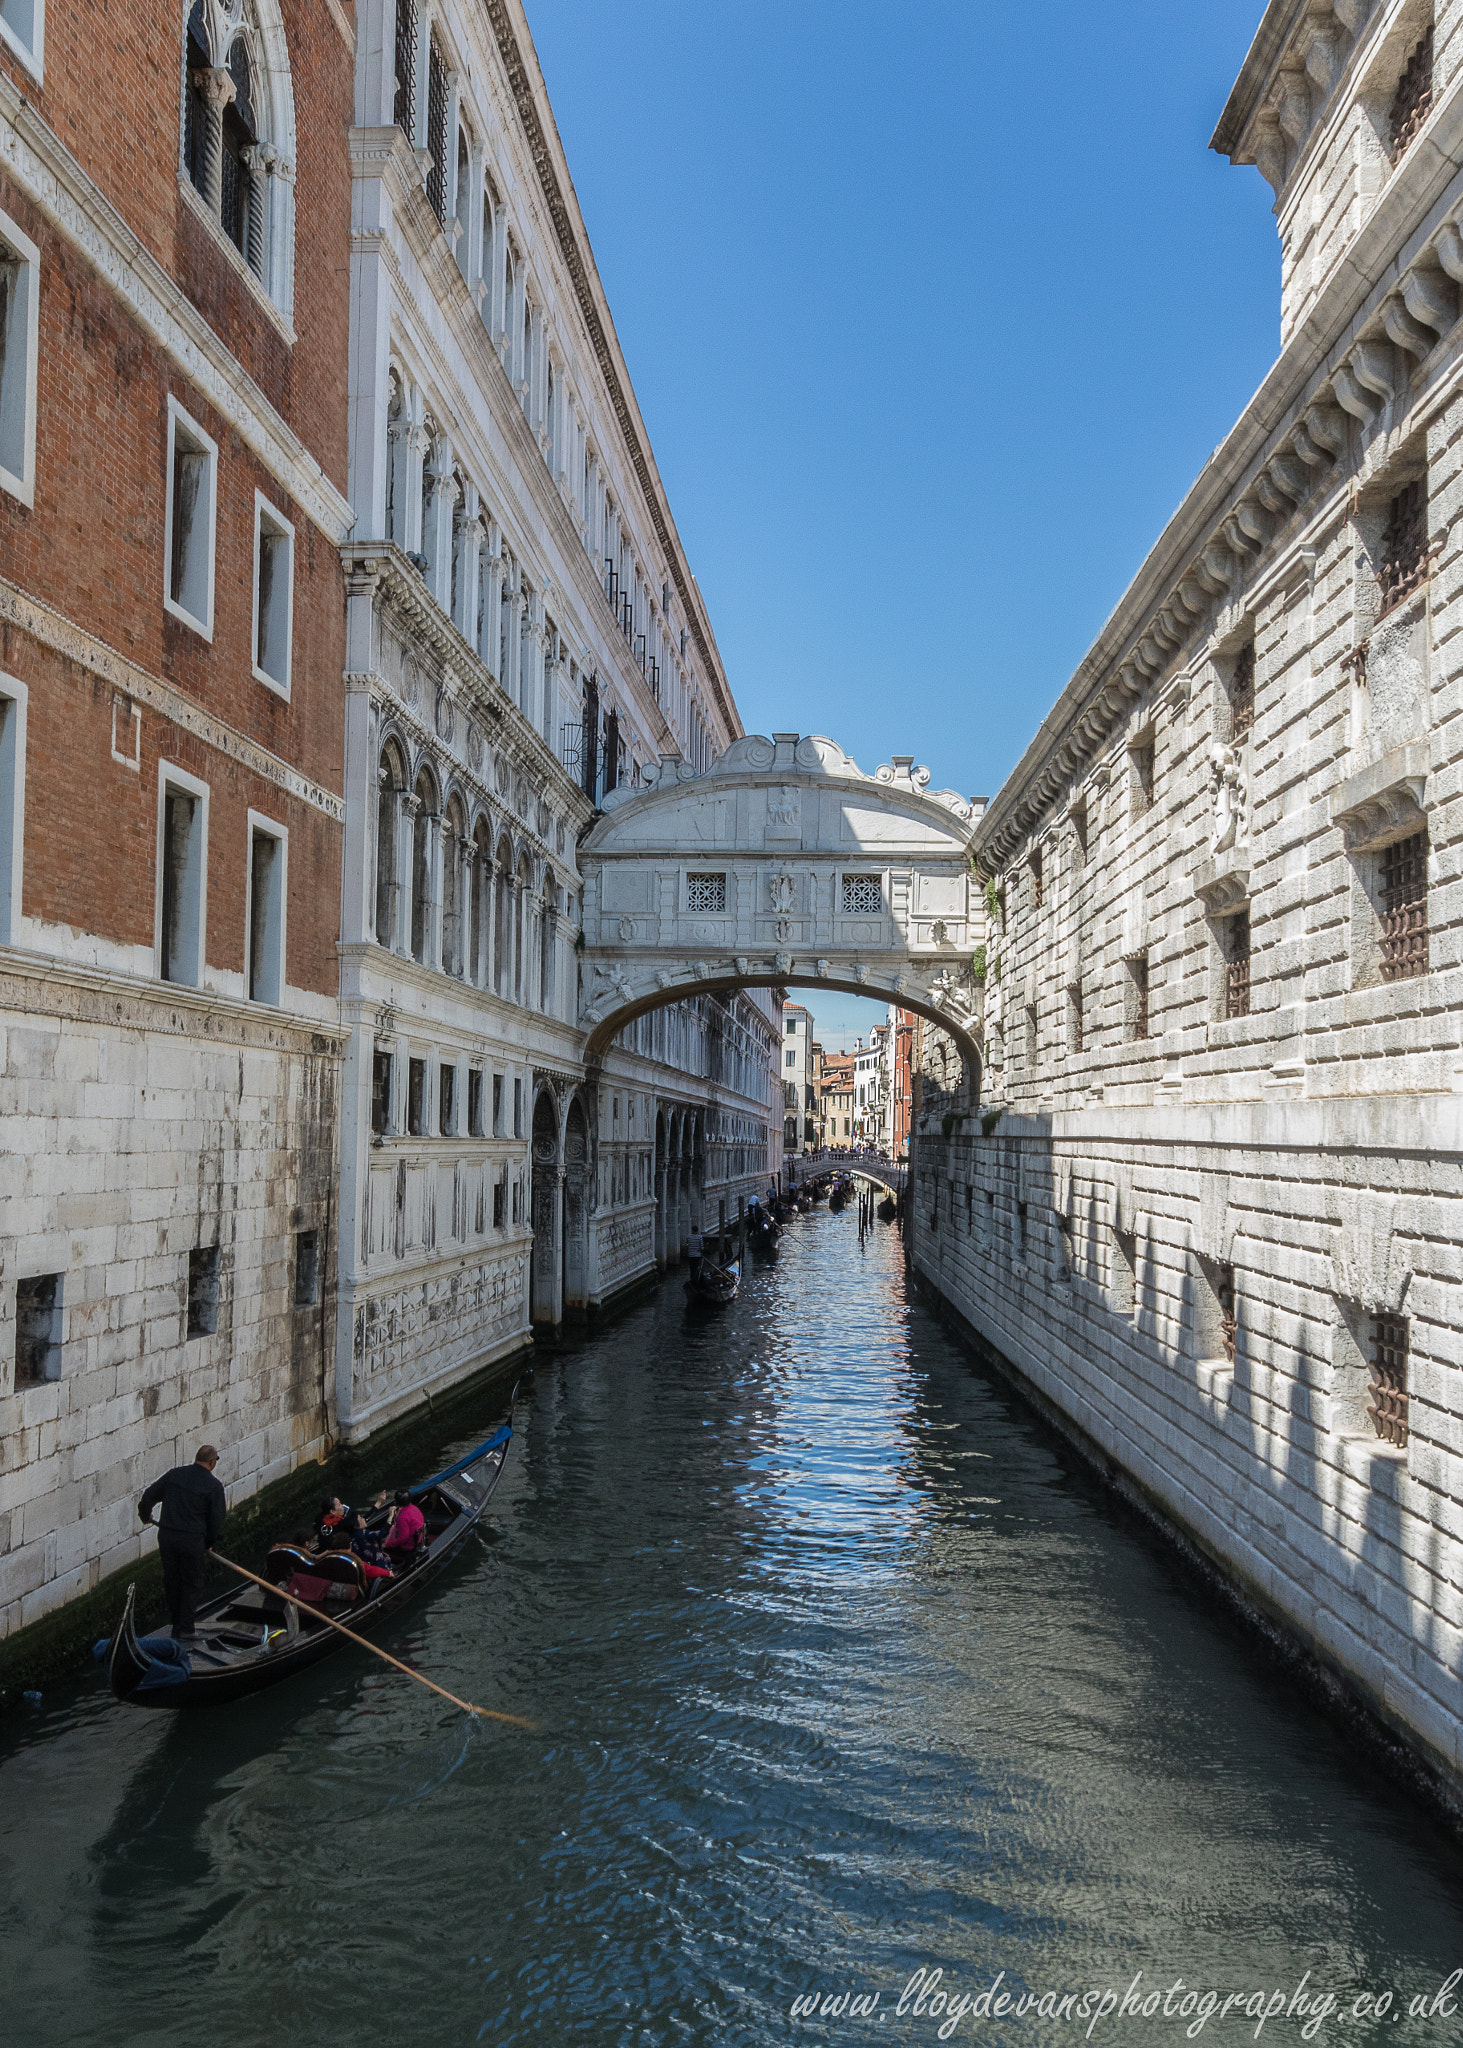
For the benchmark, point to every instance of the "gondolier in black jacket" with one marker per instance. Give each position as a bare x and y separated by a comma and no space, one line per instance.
192,1522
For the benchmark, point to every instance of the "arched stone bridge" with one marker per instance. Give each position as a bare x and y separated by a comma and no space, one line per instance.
809,1165
783,865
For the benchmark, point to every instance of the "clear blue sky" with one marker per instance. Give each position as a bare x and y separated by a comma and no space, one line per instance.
933,313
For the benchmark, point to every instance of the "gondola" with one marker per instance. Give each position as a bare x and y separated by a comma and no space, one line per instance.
763,1235
836,1201
887,1210
713,1286
246,1638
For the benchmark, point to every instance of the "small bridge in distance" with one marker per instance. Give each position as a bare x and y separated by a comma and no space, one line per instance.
885,1172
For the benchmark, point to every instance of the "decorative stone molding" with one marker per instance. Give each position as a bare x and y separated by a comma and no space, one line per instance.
1223,881
1383,802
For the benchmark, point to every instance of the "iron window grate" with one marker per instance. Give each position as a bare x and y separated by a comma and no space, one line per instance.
1404,908
1404,547
404,108
1388,1407
1242,696
1413,99
1237,967
437,131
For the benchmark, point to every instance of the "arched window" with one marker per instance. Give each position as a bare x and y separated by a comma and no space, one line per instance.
503,921
238,131
454,833
421,865
521,951
481,902
391,782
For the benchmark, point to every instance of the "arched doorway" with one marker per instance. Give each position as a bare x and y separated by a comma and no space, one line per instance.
576,1213
546,1297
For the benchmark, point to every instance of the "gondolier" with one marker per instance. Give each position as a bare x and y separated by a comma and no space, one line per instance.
192,1522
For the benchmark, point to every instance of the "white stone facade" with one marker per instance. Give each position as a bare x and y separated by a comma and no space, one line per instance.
1218,1221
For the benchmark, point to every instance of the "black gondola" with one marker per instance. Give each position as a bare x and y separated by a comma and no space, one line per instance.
713,1286
887,1210
246,1638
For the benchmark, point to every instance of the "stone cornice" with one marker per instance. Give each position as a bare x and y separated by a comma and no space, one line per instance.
46,171
1201,552
37,983
28,615
1281,19
526,83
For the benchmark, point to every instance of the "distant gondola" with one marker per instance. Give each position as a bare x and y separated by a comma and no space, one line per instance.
887,1210
247,1638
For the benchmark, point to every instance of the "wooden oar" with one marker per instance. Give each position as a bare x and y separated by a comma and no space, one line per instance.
486,1713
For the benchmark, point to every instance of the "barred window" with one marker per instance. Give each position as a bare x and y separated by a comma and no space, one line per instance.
1388,1406
1412,101
1237,966
1224,1300
1404,546
863,895
437,130
1143,768
706,892
1075,1032
1036,878
1242,696
1138,977
1404,908
404,107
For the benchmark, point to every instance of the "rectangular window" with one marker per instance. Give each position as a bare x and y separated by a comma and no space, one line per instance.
20,301
863,895
1079,836
1237,965
500,1196
1404,547
1036,880
189,527
203,1291
274,595
404,106
266,911
1141,757
1075,1030
988,1220
1402,879
1214,1308
416,1098
792,1058
518,1201
1388,1403
1033,1041
474,1102
1124,1271
517,1106
307,1268
380,1093
447,1101
1138,996
182,849
13,703
1242,696
706,892
497,1105
37,1330
1413,99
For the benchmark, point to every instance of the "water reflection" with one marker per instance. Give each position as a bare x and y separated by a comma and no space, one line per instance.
841,1672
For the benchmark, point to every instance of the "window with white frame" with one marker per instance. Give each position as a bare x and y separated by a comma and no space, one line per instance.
274,598
182,863
192,504
23,27
12,804
20,300
268,846
238,136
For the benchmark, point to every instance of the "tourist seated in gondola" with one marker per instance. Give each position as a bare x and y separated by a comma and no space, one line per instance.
366,1544
406,1534
329,1529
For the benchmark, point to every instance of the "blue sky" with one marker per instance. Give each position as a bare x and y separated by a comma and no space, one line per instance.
933,314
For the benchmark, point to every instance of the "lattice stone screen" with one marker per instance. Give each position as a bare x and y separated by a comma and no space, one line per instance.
706,892
862,896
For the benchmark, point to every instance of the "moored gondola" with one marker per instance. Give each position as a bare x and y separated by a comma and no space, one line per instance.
247,1638
713,1286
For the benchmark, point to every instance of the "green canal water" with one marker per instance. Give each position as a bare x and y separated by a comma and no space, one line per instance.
844,1676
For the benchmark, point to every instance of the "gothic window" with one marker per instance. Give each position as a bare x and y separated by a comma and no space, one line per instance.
421,865
391,782
454,832
236,141
437,130
481,902
503,924
404,107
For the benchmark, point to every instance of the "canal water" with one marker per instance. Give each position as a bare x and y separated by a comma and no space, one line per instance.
849,1688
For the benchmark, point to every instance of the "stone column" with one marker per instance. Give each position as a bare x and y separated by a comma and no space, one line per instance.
358,896
519,901
490,650
467,536
441,498
531,696
432,937
513,604
466,908
217,88
551,959
256,162
406,819
409,451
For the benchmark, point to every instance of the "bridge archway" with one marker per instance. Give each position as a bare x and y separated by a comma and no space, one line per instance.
783,865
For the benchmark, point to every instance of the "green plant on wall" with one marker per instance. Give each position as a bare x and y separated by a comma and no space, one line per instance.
993,905
977,967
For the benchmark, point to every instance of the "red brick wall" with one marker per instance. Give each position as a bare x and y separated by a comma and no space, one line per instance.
127,138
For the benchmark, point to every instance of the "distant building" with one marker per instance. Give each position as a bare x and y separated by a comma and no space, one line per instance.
837,1092
800,1122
